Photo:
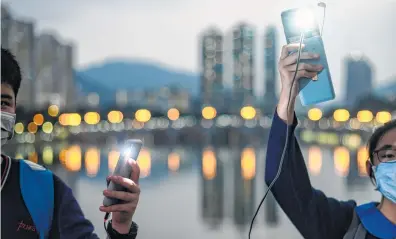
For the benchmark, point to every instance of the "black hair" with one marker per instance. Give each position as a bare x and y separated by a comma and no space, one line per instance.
376,137
10,70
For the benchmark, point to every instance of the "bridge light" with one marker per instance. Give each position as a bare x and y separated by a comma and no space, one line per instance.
47,127
53,110
209,112
248,112
144,162
248,164
74,119
209,164
143,115
173,114
315,114
32,128
92,118
365,116
383,117
115,116
18,128
341,115
38,119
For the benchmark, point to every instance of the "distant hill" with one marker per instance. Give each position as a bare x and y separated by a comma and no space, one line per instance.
116,74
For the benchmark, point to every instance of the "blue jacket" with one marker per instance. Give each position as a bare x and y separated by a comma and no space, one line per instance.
313,213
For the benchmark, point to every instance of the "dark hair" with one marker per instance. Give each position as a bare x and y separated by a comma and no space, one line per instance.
376,137
10,70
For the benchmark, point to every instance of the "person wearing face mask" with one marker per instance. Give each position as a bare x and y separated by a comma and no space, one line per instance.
315,215
36,203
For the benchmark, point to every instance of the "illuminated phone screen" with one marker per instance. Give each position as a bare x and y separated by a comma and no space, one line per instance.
296,21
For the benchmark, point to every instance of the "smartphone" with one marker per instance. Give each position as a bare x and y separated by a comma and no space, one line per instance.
123,168
321,89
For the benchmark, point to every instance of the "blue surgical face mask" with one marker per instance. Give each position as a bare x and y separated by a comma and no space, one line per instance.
385,176
7,126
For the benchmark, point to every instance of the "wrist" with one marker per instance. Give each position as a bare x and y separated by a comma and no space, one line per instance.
122,228
285,108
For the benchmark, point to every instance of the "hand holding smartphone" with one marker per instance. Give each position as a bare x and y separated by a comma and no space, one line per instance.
123,168
302,21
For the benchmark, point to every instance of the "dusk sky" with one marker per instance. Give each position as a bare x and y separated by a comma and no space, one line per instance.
166,31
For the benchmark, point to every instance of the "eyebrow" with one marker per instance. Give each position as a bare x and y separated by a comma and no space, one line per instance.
6,96
386,146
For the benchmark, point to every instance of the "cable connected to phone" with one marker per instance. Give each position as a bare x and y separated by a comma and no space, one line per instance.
287,136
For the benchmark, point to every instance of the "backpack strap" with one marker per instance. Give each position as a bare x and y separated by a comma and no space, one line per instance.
356,229
37,189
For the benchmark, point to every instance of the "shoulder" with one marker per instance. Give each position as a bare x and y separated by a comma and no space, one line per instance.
32,165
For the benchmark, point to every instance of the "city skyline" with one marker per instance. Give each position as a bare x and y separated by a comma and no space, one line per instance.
178,48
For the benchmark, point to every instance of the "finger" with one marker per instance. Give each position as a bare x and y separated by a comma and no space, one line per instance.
305,66
124,196
286,49
292,58
306,74
126,183
127,207
135,171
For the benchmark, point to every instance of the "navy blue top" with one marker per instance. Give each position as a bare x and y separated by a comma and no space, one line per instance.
68,220
313,213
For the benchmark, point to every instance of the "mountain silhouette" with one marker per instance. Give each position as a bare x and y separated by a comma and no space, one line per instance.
131,75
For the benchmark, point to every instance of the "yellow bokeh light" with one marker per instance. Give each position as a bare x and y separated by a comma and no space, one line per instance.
365,116
315,114
383,117
48,155
115,116
209,112
362,157
92,161
47,127
315,160
248,112
33,156
173,161
71,119
173,114
341,115
209,164
53,110
38,119
73,158
144,162
92,118
248,164
19,128
32,128
341,161
143,115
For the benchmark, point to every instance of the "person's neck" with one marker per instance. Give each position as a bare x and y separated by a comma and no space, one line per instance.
388,209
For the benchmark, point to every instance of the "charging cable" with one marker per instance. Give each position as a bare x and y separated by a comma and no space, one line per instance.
287,137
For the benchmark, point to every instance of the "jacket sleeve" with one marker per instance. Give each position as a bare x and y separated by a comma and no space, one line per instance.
313,214
69,220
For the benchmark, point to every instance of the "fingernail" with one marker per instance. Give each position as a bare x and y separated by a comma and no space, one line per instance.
316,55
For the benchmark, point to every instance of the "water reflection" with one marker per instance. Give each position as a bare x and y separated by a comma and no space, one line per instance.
212,188
245,190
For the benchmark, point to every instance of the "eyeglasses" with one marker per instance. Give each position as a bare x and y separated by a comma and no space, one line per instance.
385,155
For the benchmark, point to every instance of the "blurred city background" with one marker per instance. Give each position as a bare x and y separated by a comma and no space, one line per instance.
201,94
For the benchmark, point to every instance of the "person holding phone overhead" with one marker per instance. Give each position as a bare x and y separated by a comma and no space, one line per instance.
36,203
315,215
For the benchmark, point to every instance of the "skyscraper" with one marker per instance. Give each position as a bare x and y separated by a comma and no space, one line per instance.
243,72
18,37
212,68
359,77
270,69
